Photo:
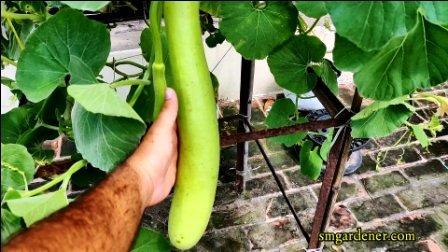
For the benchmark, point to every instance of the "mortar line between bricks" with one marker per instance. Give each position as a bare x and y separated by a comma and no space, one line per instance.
394,217
388,169
247,225
384,148
390,191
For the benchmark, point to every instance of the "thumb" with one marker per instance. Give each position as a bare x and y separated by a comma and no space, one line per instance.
168,114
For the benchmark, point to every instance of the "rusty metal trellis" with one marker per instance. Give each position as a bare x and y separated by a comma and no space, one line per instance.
337,158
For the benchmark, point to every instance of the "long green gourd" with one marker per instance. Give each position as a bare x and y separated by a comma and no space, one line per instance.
198,162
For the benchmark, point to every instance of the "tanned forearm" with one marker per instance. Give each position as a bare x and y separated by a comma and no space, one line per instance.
105,219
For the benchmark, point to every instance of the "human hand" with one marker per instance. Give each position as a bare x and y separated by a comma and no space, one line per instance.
155,160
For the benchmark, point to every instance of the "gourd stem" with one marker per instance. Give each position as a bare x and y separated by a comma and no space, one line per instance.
158,66
63,177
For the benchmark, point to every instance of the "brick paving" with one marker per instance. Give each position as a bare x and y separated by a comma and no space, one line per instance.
400,187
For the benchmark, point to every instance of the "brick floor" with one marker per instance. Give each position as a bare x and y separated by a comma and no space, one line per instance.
400,187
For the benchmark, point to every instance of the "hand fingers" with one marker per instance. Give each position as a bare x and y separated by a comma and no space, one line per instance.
168,114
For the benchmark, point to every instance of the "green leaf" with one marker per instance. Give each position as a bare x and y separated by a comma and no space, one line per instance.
33,140
11,224
86,5
347,56
144,105
256,31
417,60
150,240
33,209
146,43
326,145
435,11
289,63
372,24
16,157
102,99
12,179
420,134
314,9
381,121
310,161
378,105
211,7
279,116
105,141
15,122
66,45
325,71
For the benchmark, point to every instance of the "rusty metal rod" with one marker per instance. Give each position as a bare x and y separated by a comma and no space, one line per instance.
309,126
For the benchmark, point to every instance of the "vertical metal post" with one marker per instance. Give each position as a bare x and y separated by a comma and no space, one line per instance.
247,80
331,183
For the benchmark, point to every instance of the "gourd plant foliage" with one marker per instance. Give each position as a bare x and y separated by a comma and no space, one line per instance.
393,48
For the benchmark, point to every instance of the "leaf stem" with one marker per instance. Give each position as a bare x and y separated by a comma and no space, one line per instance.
126,62
63,177
19,41
312,26
8,61
129,83
48,126
19,16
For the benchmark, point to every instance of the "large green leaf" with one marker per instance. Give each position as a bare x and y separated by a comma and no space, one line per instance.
289,63
67,45
380,119
16,157
11,224
372,24
86,5
347,56
103,140
435,11
314,9
256,31
310,161
102,99
33,209
279,116
150,240
15,122
417,60
378,105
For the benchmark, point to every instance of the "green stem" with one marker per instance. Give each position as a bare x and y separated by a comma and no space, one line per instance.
139,90
74,168
301,24
129,83
9,61
126,62
48,126
312,26
19,41
158,67
19,16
